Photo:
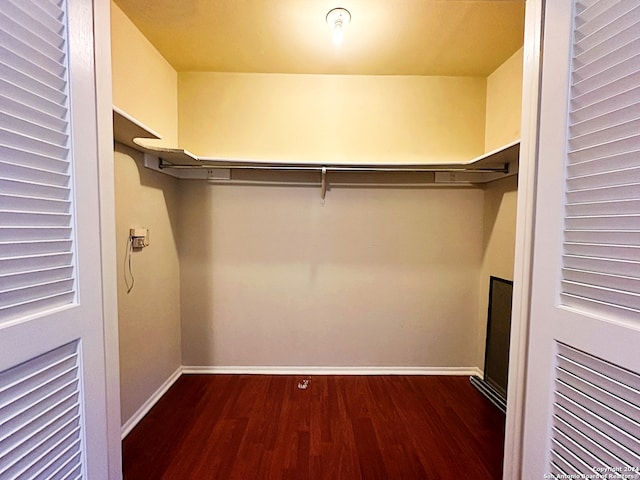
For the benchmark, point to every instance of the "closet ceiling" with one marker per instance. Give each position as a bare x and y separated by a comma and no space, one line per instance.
385,37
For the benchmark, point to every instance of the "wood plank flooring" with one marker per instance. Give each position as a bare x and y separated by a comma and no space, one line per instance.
340,427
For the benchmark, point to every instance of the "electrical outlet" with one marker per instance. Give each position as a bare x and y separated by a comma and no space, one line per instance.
137,242
139,237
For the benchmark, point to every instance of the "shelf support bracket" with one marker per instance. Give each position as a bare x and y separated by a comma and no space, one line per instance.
323,185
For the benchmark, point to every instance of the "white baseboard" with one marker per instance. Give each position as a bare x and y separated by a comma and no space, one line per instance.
286,370
278,370
146,406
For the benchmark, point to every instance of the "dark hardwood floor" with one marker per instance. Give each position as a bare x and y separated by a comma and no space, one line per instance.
340,427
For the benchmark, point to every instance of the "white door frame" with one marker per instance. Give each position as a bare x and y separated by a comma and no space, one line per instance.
512,467
523,252
523,247
104,109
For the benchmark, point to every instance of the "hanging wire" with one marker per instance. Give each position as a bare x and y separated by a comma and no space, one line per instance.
127,265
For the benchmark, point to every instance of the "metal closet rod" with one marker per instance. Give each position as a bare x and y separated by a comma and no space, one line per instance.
339,184
320,168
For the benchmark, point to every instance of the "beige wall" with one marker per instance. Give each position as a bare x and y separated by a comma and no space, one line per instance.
144,85
332,118
504,100
504,103
498,245
149,316
374,277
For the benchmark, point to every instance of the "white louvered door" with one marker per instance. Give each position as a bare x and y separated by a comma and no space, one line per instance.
582,408
52,372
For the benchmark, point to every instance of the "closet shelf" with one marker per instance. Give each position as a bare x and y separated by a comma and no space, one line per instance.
183,164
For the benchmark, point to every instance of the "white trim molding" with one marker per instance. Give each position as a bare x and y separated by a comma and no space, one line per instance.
286,370
104,101
296,370
534,11
148,405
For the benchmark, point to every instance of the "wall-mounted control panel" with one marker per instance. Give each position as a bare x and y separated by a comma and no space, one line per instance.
139,238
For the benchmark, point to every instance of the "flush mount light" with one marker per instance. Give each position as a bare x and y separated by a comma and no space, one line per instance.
337,19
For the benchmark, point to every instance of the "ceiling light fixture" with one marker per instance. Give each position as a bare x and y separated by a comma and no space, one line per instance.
337,19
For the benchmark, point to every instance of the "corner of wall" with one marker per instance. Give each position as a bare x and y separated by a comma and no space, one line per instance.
504,103
502,125
145,86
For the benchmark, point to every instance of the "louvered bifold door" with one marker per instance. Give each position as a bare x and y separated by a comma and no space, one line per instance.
36,228
595,418
582,406
596,421
53,398
601,261
41,417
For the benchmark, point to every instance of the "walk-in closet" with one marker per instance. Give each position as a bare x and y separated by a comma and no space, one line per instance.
290,207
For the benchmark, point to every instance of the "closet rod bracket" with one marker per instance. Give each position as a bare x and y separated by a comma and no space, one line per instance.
323,185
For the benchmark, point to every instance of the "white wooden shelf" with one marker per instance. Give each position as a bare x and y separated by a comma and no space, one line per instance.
183,164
